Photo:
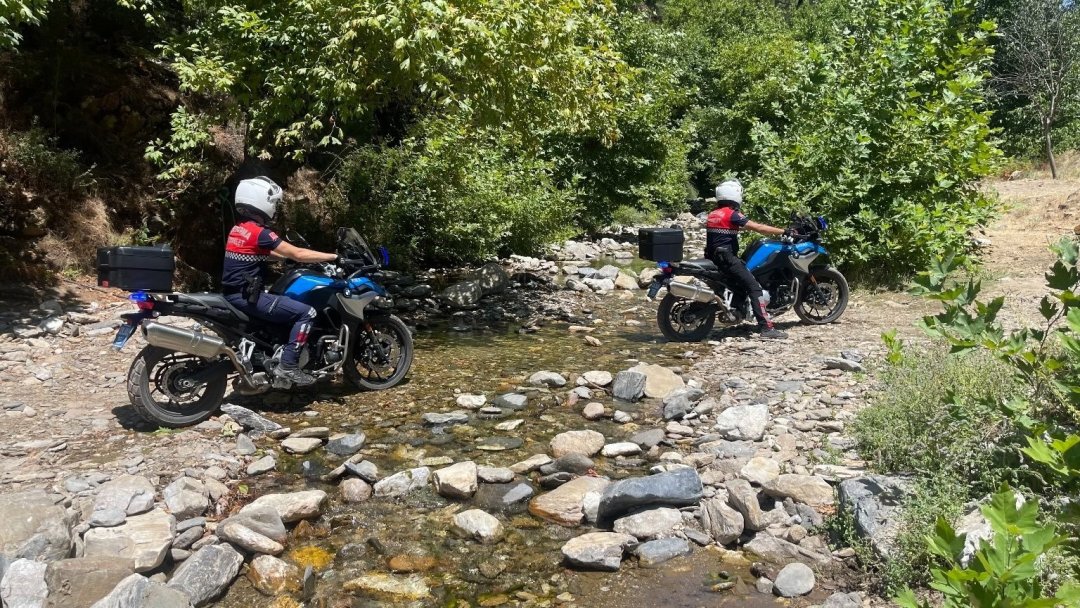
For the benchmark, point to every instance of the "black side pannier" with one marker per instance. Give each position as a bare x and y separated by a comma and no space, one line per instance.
660,244
136,268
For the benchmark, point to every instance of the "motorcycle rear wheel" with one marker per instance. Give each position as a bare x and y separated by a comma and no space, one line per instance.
683,320
382,364
823,302
153,386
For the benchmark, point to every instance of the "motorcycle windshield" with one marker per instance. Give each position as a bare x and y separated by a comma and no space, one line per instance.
354,245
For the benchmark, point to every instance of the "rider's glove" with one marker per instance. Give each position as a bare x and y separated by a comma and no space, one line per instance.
790,233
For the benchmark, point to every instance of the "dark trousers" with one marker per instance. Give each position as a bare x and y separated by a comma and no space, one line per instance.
735,269
280,310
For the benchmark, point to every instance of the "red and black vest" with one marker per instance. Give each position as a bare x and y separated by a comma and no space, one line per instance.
722,230
247,252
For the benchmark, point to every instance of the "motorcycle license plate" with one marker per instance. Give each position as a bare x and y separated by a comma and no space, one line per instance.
655,289
122,336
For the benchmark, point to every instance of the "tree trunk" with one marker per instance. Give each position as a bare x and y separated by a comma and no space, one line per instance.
1049,149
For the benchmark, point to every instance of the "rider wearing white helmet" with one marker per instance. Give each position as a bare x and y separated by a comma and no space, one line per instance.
250,248
722,247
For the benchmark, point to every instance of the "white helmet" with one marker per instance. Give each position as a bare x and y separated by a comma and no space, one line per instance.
731,190
259,194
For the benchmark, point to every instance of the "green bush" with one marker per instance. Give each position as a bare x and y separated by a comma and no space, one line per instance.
883,131
935,412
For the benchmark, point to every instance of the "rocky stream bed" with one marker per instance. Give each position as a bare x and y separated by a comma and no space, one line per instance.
548,449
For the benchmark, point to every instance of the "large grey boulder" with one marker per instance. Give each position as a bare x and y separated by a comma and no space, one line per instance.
249,419
23,585
137,591
723,523
743,422
493,279
144,539
681,487
293,506
33,525
207,573
875,502
807,489
465,294
186,498
596,551
794,580
81,581
127,494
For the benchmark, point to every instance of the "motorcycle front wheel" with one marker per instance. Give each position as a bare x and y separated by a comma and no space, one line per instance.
380,356
822,300
683,320
159,390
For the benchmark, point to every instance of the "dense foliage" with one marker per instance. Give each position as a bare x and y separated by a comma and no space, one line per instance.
460,130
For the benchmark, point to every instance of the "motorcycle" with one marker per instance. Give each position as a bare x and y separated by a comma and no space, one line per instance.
180,378
794,273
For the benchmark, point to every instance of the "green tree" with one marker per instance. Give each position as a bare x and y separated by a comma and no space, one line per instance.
883,131
14,13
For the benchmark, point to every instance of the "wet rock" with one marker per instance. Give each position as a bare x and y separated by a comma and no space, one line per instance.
293,506
554,480
678,404
746,422
504,497
185,539
653,523
457,480
629,385
596,551
563,505
249,419
778,551
186,498
574,462
247,539
471,402
390,587
346,445
23,584
365,469
271,576
137,591
494,474
406,563
33,526
659,380
677,488
131,494
478,525
625,448
144,539
403,482
723,523
656,552
207,573
439,419
876,502
548,379
301,445
593,411
499,444
263,465
511,401
355,490
531,464
806,489
794,580
81,581
597,378
465,294
760,470
585,442
648,439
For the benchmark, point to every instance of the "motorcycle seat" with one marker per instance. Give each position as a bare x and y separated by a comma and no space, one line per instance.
214,301
704,264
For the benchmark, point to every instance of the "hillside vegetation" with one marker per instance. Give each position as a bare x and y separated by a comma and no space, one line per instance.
459,131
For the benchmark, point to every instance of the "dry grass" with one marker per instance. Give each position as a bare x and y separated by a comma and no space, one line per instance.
72,245
1068,165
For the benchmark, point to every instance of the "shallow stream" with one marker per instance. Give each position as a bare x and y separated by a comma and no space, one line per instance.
414,535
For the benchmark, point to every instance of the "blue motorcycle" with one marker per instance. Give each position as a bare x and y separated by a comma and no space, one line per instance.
794,272
180,378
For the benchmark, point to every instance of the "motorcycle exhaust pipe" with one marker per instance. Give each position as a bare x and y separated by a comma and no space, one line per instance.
691,292
185,341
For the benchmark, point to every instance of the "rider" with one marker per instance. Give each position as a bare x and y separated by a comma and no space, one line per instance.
722,247
250,247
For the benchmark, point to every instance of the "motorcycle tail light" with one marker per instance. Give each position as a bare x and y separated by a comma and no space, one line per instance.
665,267
142,300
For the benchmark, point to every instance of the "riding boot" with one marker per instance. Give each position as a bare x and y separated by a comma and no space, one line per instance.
295,375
